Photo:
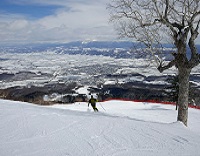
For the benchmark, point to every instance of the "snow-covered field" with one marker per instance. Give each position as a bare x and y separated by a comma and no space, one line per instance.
122,129
38,68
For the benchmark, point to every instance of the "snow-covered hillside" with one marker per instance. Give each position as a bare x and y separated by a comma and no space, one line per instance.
122,129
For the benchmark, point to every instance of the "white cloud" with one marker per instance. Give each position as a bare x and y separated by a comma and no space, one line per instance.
18,25
74,20
82,21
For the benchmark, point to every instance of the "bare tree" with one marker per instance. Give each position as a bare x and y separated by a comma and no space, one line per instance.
150,21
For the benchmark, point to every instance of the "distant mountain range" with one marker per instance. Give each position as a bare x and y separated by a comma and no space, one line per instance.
116,49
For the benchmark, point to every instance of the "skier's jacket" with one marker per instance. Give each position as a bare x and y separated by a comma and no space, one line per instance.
93,101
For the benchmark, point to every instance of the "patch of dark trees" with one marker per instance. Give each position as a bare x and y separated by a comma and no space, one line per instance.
130,90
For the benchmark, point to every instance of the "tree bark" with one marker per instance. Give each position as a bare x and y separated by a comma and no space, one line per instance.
184,74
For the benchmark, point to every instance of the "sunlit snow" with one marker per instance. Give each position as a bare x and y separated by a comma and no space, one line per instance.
121,128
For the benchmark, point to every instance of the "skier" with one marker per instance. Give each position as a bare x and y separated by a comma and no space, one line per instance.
93,103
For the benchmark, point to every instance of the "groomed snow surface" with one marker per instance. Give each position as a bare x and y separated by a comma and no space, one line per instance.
122,129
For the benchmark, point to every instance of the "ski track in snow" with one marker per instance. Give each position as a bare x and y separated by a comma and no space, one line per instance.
124,129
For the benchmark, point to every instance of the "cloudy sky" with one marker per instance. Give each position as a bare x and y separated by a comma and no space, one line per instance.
29,21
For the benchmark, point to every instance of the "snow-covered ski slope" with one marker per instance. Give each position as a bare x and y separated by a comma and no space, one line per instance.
124,129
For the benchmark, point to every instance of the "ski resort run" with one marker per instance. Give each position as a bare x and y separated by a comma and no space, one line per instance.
120,128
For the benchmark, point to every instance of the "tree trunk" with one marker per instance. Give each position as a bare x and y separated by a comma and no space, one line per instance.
176,105
184,74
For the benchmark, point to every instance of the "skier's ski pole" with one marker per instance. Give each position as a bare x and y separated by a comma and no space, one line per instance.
102,106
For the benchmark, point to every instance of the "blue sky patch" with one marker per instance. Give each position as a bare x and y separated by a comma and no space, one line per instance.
30,11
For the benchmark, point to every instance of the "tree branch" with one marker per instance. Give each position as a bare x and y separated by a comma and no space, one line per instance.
169,65
166,9
194,16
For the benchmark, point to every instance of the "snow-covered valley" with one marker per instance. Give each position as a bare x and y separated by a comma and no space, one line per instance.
86,63
123,128
93,64
37,68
